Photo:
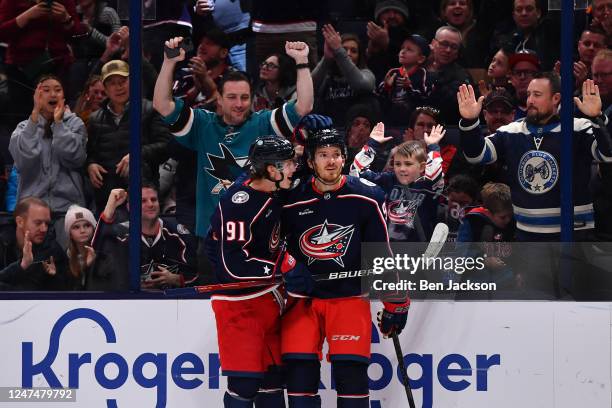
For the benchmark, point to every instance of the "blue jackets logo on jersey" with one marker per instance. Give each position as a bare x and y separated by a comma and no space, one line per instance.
225,168
240,197
274,238
403,212
326,242
538,172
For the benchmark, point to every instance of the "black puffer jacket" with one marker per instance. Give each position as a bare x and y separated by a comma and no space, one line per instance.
107,142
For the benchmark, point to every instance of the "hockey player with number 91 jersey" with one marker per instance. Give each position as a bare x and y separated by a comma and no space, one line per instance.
243,245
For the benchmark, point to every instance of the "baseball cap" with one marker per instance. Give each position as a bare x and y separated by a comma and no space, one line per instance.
115,67
524,55
218,37
499,95
421,43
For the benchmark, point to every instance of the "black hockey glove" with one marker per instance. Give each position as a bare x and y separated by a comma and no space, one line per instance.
392,319
296,276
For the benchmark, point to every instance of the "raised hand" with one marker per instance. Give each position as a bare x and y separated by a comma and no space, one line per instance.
34,13
27,256
58,112
437,133
581,72
378,133
483,87
297,50
174,43
199,70
116,197
332,37
378,36
38,103
590,105
59,12
469,107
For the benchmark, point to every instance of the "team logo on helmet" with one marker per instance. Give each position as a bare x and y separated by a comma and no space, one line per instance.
402,212
326,242
538,172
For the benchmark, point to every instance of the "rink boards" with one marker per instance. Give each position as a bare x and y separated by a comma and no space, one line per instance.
156,353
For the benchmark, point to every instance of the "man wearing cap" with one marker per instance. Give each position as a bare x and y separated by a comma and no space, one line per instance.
524,66
109,136
498,107
197,84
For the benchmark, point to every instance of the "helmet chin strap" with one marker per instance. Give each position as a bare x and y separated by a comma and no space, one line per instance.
326,183
277,182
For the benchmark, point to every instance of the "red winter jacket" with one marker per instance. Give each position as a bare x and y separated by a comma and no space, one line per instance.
27,43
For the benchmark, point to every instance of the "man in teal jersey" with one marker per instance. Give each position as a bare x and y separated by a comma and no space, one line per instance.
222,139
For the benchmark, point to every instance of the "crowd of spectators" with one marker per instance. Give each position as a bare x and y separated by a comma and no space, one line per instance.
64,111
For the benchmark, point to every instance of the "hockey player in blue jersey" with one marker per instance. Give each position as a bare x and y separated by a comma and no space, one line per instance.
326,219
413,187
244,244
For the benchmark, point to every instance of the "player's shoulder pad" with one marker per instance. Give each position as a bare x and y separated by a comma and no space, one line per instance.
172,225
242,200
364,187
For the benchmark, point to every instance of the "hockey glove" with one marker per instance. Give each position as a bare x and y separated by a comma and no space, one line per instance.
310,123
392,319
362,160
297,277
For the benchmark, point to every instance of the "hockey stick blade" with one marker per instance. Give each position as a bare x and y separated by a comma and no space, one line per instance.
437,241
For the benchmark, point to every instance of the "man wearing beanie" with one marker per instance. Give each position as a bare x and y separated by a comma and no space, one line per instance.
394,22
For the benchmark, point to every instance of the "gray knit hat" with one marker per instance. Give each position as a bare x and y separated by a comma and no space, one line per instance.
397,5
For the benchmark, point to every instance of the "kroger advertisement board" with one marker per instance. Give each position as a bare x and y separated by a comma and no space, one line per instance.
143,353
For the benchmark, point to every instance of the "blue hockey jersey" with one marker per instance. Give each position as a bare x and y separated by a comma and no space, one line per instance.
244,237
533,158
411,209
324,230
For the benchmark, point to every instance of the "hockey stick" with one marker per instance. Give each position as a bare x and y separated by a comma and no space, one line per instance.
438,238
402,367
194,290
